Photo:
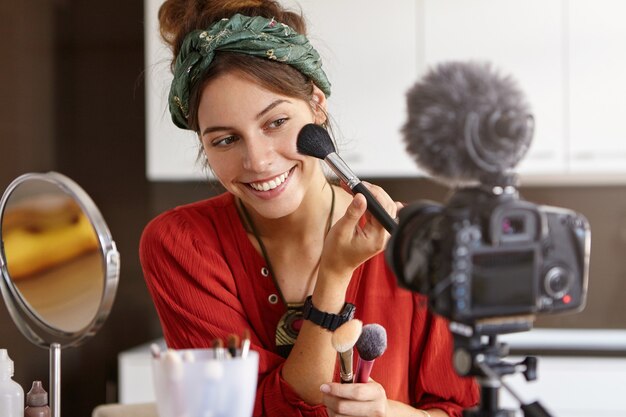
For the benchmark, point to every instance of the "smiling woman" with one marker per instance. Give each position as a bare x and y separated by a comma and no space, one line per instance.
282,253
248,137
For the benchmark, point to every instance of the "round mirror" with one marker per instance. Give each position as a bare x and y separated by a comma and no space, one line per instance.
59,264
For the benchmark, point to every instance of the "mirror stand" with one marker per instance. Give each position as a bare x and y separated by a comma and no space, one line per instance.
59,264
55,380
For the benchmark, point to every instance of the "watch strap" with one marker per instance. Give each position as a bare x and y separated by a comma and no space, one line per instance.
326,320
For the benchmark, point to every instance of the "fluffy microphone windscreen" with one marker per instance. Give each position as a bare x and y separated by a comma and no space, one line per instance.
314,140
465,119
373,341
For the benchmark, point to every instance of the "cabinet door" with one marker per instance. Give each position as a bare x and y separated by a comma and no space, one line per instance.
597,50
521,38
369,54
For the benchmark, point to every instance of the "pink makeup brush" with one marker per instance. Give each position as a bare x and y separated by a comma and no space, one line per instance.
371,344
343,340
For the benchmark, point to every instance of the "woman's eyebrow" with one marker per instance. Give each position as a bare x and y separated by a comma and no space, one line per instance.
271,106
211,129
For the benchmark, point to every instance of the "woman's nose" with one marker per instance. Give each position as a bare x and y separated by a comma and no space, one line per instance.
258,154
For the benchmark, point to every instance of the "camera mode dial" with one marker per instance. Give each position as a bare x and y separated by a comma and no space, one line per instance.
557,282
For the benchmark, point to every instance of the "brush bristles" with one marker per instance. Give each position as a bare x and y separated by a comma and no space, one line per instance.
232,341
314,140
346,335
373,341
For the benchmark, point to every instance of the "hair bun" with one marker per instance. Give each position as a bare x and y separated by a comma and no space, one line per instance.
179,17
237,4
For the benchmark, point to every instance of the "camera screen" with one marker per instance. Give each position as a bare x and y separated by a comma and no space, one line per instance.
504,279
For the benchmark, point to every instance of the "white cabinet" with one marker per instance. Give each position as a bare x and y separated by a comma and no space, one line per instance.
597,85
568,56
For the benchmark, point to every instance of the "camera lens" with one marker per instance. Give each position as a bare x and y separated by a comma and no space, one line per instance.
557,282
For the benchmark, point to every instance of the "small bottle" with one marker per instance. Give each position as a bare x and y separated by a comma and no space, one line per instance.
37,401
11,393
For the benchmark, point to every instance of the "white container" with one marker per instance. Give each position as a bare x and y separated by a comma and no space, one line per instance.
192,383
11,393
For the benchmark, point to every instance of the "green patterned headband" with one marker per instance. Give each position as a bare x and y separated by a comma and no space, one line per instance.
256,36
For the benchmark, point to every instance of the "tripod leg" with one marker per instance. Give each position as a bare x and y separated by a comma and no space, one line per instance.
534,410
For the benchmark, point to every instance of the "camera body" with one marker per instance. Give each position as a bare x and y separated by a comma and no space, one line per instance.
489,254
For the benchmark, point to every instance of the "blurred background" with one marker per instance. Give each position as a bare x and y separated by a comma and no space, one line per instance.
72,100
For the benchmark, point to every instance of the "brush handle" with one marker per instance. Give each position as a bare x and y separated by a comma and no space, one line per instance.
345,368
375,208
343,171
363,370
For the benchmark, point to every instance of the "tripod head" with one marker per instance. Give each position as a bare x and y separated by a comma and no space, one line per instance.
478,353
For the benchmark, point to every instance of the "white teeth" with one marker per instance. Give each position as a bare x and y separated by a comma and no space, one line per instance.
271,184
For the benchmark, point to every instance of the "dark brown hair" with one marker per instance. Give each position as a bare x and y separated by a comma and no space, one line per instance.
179,17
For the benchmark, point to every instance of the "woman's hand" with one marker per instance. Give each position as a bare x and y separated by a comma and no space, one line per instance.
351,242
355,399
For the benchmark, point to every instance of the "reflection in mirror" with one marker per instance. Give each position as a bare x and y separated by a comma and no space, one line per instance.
52,255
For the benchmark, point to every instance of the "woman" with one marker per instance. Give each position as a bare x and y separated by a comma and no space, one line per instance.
247,80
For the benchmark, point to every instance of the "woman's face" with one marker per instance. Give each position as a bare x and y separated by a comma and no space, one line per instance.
249,137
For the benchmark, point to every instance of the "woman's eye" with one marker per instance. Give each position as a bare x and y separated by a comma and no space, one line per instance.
224,141
277,123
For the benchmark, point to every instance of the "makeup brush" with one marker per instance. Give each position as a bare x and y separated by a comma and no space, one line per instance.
155,350
371,344
314,140
173,365
245,343
343,340
218,349
232,342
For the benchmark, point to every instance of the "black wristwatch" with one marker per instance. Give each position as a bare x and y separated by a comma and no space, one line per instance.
327,320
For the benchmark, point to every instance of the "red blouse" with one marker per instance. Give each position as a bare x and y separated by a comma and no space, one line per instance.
205,278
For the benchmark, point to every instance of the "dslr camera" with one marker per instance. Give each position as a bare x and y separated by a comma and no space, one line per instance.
487,253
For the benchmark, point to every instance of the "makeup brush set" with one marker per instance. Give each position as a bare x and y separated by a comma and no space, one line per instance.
370,341
217,381
233,348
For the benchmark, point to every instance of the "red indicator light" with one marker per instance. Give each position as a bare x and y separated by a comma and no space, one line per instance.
567,298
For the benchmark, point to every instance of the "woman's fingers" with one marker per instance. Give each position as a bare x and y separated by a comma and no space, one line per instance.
354,212
385,202
380,195
351,240
360,392
355,399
